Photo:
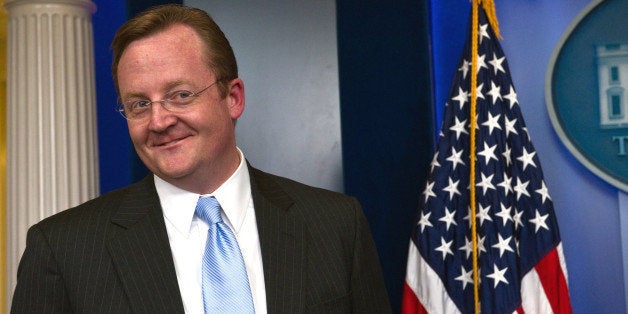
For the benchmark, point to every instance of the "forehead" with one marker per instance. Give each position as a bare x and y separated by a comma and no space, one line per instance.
176,39
174,54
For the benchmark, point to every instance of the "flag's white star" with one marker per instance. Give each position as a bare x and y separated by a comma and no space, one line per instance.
495,92
498,275
459,127
465,68
467,247
481,63
456,157
504,214
477,127
481,244
527,158
492,123
462,97
452,188
445,247
425,221
483,214
468,216
429,191
522,188
544,192
506,184
483,33
503,245
434,162
497,63
465,277
512,97
486,183
510,126
539,221
488,153
478,90
517,219
506,155
448,218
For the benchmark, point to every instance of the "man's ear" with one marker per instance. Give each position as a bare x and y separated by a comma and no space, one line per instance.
235,98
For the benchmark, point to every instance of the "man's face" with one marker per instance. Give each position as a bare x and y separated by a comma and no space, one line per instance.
195,149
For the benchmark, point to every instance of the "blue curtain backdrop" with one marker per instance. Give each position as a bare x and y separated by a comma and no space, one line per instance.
387,119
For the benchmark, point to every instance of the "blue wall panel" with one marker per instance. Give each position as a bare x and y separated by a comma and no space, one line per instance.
113,138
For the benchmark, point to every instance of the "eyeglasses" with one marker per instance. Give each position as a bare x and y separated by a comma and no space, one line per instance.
176,101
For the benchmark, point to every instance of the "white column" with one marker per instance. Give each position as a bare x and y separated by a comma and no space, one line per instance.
52,157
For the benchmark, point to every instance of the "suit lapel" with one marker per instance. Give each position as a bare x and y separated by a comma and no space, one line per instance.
143,259
141,252
282,239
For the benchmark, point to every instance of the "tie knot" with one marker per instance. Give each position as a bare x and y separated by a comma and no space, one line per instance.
208,210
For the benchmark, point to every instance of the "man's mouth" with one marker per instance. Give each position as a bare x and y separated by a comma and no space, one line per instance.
169,142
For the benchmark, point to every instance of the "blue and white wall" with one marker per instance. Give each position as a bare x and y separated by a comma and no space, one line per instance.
347,96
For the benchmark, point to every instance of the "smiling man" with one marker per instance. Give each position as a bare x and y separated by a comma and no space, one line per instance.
205,232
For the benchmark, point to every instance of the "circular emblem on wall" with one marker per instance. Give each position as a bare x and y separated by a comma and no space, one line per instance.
587,90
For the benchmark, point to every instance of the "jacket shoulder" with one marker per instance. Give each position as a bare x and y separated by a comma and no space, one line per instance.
102,206
267,182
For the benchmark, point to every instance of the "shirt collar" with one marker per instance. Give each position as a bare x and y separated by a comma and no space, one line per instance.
234,196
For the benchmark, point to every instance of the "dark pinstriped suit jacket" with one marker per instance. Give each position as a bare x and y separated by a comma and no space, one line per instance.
112,255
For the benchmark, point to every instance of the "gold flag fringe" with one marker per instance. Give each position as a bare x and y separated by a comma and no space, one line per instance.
489,8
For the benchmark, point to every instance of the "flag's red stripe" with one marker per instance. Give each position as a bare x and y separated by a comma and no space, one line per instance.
520,310
410,304
554,282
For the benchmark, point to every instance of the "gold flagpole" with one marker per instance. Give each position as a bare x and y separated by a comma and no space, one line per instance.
489,8
472,133
3,164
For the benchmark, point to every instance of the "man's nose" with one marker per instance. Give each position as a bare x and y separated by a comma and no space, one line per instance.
160,117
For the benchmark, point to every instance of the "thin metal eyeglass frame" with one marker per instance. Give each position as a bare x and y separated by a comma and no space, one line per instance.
162,102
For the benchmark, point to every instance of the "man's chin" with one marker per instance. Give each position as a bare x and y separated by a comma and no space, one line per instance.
173,170
172,174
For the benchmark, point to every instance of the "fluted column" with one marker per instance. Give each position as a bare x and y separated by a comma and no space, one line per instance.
52,158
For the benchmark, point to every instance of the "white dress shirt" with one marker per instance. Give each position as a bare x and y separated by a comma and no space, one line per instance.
187,235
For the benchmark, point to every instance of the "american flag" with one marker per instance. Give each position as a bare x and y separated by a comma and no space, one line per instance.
520,260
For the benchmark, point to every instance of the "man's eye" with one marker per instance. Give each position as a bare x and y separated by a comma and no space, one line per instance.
140,104
181,96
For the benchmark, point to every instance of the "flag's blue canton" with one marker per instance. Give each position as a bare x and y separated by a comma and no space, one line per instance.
515,217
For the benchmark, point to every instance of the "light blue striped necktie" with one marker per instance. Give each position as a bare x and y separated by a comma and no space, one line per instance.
225,284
